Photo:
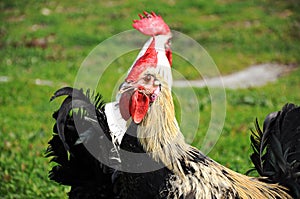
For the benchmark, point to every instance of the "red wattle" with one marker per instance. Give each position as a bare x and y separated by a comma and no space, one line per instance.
139,106
124,106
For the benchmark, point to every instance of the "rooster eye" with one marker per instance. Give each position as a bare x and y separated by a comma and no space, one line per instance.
147,78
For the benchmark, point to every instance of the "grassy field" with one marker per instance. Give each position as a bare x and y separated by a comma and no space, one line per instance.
48,40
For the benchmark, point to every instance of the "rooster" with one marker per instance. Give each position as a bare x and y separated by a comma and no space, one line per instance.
183,171
190,174
180,170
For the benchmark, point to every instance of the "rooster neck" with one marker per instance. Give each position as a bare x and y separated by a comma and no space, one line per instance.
160,135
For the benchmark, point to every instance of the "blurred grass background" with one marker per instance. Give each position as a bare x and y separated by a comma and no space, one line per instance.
48,40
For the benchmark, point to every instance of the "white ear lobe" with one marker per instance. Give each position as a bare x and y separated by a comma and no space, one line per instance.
156,83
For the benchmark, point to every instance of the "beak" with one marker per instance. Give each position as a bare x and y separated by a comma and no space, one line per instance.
125,87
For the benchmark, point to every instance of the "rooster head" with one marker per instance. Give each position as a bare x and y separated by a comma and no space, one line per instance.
142,85
137,96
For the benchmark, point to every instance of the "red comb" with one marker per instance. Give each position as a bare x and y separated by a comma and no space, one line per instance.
151,24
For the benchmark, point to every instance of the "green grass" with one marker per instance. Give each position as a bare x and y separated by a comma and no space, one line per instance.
235,33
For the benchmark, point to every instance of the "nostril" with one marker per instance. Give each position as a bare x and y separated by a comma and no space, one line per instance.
141,88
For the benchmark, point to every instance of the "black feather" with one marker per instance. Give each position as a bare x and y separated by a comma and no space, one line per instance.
276,150
80,127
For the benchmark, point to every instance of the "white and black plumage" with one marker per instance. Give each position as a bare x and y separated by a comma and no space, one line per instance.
185,171
190,174
80,123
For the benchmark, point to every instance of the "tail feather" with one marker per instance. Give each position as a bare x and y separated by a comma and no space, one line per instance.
80,127
277,148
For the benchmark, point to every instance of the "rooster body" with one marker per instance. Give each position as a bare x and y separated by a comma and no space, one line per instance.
184,171
188,173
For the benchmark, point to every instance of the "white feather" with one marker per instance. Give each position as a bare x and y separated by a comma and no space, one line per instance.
117,125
